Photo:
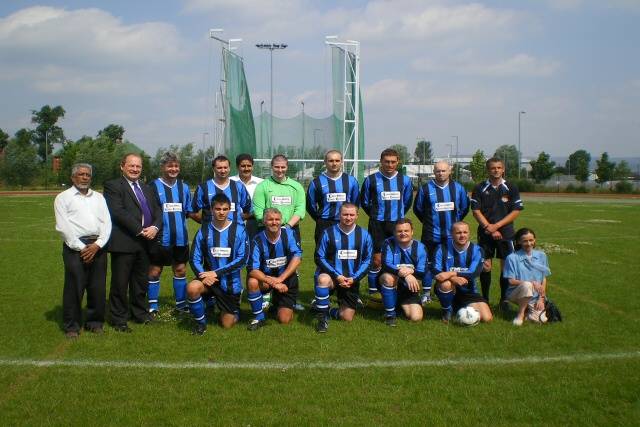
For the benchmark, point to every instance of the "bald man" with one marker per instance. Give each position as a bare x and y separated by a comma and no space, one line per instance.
439,204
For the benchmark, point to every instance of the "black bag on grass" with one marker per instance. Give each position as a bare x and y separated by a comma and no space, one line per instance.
552,312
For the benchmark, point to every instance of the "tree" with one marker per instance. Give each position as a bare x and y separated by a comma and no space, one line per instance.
403,152
20,164
4,140
477,167
423,152
576,164
604,169
622,171
542,168
113,133
47,132
509,155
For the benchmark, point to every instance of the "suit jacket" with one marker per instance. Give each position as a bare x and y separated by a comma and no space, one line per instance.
126,215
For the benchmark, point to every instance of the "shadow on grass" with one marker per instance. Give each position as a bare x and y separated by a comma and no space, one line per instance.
55,315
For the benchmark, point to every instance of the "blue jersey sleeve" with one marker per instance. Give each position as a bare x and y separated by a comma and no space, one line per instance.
388,264
365,202
463,202
311,200
438,266
294,247
321,257
421,267
407,197
198,199
354,193
365,262
255,262
475,268
187,205
198,254
418,204
245,199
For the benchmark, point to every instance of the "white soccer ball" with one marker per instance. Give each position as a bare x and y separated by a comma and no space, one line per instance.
468,316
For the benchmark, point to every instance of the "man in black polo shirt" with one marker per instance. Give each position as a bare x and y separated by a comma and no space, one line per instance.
495,204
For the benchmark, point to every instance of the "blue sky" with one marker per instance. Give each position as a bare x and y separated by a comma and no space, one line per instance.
430,69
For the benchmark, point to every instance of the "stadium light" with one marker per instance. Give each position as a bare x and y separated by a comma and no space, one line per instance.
457,166
520,113
271,47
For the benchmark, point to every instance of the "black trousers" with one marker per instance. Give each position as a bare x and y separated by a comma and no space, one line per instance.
321,225
129,284
79,277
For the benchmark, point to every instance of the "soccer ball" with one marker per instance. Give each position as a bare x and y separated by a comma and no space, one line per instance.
468,316
375,301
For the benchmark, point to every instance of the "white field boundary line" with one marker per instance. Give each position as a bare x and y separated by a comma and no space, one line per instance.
123,364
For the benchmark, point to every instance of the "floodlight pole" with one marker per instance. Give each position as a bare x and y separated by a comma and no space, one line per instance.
271,47
520,113
457,166
204,134
303,154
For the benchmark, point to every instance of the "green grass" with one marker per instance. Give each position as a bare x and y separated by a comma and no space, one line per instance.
592,250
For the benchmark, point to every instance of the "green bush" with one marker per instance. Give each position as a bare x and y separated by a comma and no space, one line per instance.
623,187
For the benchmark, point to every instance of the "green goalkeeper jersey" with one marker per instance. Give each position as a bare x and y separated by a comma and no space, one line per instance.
287,196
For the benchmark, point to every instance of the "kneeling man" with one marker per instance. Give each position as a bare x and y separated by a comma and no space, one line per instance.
275,257
219,251
342,259
404,265
456,266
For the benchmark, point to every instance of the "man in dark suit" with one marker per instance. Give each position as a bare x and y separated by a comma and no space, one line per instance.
136,217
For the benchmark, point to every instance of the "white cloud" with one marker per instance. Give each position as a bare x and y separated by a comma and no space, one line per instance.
85,37
520,64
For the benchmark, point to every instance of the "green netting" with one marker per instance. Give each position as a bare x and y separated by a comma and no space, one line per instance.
299,137
239,129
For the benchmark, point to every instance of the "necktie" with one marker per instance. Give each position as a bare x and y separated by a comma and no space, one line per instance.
146,212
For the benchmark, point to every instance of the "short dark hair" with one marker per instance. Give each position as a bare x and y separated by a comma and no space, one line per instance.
493,160
279,157
387,152
404,221
220,158
243,156
348,205
220,199
326,155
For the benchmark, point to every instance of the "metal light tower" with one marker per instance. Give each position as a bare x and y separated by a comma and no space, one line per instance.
204,134
457,166
271,47
520,113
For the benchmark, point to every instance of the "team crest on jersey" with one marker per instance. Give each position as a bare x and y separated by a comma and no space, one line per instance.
505,199
220,252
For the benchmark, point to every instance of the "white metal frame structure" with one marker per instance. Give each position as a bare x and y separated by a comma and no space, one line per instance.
351,98
221,121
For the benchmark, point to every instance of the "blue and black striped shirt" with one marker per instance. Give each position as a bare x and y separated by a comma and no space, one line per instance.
386,199
344,254
235,191
466,263
325,195
438,208
175,202
273,258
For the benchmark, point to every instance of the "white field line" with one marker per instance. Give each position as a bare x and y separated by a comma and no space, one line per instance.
491,361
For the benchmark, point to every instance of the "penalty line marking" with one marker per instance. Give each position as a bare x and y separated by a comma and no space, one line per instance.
491,361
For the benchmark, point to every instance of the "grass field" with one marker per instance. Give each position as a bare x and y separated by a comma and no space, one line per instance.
584,371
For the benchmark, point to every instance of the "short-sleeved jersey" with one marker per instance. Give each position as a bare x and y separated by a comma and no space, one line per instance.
344,254
394,257
466,263
287,196
497,202
224,251
386,199
272,258
521,267
235,191
438,208
325,195
175,201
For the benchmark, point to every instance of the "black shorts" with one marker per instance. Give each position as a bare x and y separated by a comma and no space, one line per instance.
168,255
321,225
348,297
463,299
495,248
405,296
380,231
226,302
287,299
251,227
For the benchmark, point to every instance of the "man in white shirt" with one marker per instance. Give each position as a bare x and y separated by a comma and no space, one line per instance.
83,220
244,163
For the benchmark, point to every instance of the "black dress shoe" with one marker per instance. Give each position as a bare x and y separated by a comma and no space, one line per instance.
98,330
122,328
